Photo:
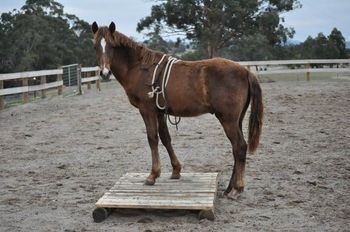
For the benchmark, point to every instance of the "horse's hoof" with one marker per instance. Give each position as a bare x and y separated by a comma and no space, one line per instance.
175,176
150,181
233,195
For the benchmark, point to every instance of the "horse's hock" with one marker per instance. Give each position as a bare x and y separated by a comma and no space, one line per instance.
193,191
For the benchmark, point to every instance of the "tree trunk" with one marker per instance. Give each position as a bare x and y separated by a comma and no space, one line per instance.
210,51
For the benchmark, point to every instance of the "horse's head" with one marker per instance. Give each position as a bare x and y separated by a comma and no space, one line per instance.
103,43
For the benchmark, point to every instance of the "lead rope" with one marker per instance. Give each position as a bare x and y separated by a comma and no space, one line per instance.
157,90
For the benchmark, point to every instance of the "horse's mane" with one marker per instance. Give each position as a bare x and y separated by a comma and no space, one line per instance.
118,39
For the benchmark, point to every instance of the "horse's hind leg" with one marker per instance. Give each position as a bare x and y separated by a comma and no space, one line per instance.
239,150
166,141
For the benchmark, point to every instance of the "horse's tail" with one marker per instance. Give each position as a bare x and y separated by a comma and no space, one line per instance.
256,113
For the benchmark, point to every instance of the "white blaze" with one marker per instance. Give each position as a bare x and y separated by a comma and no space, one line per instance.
103,45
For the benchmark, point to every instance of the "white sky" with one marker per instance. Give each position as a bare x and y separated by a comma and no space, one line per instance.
315,16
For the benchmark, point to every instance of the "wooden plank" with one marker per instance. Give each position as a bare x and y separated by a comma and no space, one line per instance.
161,205
31,88
14,90
43,82
45,86
165,191
329,70
90,69
60,87
157,193
98,84
156,204
148,199
80,91
160,201
196,188
162,186
22,75
166,175
305,70
196,191
2,102
166,184
308,73
168,180
89,79
25,94
291,62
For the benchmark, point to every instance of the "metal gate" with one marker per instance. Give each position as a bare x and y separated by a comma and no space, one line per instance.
70,75
72,78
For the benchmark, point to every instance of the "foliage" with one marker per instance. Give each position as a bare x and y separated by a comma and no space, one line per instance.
41,36
322,47
257,47
217,24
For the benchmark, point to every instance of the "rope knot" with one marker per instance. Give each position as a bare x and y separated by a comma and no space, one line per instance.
154,90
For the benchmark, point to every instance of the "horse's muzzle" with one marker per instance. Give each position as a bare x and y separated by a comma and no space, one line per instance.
105,76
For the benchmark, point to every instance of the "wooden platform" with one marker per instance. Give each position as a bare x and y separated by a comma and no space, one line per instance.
194,191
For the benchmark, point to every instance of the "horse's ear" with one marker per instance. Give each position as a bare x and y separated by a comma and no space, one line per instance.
94,27
112,27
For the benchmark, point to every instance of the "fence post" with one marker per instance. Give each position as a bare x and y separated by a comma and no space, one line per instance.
308,73
43,81
80,92
98,83
59,78
89,83
25,94
2,102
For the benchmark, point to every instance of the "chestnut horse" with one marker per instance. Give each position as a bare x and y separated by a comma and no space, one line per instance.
217,86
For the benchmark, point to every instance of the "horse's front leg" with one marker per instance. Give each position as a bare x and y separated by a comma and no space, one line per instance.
150,119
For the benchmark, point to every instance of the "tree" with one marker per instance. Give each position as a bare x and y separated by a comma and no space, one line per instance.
41,36
216,24
323,47
156,42
337,44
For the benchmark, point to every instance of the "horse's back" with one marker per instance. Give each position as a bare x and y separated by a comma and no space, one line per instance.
198,87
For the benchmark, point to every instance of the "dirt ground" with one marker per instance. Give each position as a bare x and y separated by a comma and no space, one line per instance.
60,154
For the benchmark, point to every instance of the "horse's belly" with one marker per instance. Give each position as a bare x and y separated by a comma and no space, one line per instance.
188,110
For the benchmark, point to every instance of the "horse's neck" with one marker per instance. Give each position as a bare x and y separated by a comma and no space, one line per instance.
124,61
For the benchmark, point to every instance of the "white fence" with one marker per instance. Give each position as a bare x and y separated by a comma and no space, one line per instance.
298,66
87,75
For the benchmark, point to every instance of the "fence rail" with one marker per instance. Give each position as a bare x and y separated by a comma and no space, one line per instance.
294,62
298,66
